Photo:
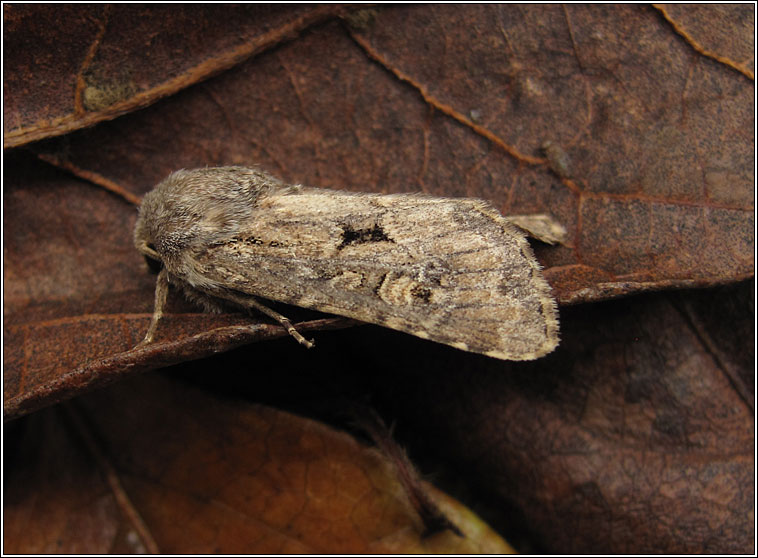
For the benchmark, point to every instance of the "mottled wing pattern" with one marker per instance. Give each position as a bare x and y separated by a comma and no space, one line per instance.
450,270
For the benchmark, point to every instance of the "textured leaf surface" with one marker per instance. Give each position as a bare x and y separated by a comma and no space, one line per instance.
636,436
156,465
76,66
657,191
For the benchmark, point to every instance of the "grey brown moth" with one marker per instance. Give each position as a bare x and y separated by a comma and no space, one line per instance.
451,270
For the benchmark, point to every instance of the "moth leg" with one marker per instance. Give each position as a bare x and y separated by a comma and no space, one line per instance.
251,302
282,320
161,293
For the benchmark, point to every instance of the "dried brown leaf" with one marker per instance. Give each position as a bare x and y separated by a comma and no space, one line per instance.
659,140
156,465
636,436
78,65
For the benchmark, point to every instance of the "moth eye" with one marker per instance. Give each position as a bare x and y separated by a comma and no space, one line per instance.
154,265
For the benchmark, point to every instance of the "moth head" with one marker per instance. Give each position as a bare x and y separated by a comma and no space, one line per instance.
162,226
193,208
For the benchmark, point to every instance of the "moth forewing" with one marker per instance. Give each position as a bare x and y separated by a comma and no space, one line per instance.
450,270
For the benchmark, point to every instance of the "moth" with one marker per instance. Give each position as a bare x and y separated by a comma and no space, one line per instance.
454,271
